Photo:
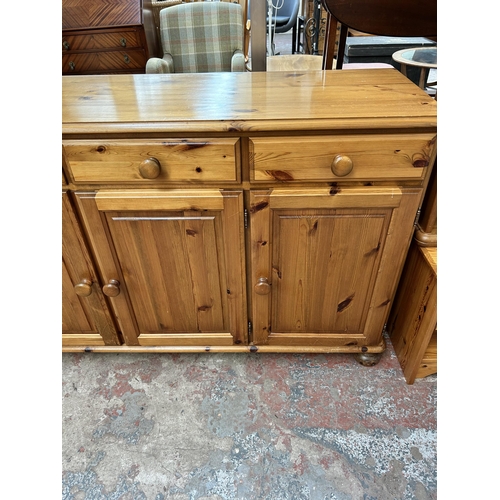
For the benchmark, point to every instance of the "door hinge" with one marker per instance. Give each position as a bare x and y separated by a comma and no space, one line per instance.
245,218
250,331
417,216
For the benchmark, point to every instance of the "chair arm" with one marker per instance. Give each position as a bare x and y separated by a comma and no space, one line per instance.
157,65
238,61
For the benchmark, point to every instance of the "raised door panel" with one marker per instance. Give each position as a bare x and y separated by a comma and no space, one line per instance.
324,264
86,319
176,258
321,282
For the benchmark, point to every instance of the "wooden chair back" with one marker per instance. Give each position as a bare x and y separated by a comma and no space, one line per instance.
398,18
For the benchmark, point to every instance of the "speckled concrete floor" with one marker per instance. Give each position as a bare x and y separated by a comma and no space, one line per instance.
245,426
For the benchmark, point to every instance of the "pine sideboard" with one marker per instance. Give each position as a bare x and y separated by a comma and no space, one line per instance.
261,212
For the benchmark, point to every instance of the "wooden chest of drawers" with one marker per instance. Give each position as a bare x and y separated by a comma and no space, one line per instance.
262,212
106,37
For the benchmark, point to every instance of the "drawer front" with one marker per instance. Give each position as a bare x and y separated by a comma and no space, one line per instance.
327,158
123,60
169,160
87,62
80,63
99,41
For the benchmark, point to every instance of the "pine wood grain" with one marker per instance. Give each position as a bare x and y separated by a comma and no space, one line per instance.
331,261
413,321
84,319
428,365
160,199
374,157
178,256
181,160
248,349
263,101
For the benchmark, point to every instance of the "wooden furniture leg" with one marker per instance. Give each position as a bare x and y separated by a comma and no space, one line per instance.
341,49
330,36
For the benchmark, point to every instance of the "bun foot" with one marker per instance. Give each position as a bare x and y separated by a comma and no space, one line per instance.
368,358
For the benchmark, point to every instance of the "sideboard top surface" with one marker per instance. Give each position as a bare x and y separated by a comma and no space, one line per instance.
239,102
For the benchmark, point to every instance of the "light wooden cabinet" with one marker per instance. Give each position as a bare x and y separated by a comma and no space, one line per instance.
273,214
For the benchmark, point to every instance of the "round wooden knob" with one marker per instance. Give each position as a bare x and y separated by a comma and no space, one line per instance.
112,289
150,168
341,165
262,287
84,288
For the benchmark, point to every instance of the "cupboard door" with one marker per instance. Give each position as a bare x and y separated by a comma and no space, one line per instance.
173,261
85,316
325,263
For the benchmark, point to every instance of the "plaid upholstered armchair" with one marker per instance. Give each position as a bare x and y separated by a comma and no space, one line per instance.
200,37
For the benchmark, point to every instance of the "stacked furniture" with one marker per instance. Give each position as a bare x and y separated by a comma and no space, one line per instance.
99,36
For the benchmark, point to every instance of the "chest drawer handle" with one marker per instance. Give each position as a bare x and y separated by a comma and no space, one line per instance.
262,287
123,42
341,165
112,289
71,65
150,168
66,45
126,58
84,288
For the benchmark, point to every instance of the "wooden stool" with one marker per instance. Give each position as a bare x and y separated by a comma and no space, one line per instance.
413,319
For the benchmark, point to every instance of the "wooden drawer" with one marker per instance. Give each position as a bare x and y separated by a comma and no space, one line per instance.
79,63
367,157
178,160
103,61
99,41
